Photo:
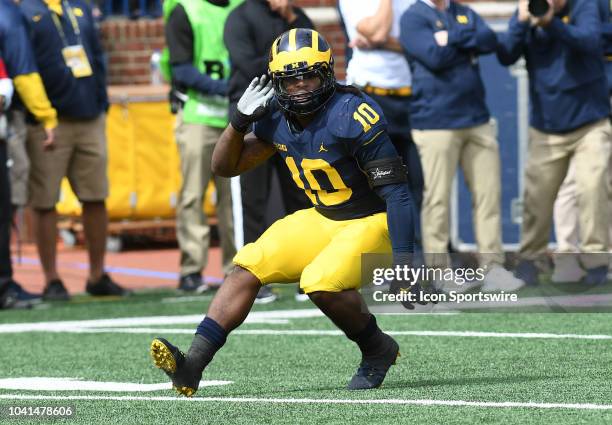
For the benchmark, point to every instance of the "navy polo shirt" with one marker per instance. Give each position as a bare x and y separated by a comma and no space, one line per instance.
14,43
447,90
78,98
567,83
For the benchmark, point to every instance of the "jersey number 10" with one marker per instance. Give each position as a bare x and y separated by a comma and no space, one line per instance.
317,195
366,116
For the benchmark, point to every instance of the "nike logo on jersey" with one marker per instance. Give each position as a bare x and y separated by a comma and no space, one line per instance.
322,148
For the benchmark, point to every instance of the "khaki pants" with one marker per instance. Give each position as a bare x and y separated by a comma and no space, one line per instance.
566,212
549,157
196,143
476,150
20,163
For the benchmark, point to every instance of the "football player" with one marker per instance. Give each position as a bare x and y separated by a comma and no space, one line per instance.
333,139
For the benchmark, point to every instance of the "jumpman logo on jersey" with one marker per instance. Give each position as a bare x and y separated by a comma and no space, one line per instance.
322,148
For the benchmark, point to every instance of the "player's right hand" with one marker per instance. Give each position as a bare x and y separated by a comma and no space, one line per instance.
252,106
398,288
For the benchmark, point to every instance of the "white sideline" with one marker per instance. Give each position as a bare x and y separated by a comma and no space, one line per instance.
453,403
316,332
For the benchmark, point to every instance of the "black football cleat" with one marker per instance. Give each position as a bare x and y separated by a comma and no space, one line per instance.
372,371
171,360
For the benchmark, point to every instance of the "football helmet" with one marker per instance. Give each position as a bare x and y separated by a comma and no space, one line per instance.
302,53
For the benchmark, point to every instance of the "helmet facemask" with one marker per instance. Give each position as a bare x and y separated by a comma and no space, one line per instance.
309,102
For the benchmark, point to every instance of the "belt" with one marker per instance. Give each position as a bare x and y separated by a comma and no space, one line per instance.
379,91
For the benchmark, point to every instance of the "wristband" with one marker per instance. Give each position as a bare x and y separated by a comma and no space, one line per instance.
240,122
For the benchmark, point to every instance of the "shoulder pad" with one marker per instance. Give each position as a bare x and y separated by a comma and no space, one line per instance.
352,116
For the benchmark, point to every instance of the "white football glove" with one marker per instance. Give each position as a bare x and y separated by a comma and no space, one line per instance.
253,104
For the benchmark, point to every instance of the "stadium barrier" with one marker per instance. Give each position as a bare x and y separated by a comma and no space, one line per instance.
143,161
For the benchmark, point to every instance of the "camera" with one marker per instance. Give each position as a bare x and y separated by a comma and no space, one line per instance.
538,7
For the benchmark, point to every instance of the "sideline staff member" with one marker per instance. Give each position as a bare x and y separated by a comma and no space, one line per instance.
569,121
68,54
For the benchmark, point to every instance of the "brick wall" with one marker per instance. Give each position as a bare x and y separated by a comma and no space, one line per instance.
129,44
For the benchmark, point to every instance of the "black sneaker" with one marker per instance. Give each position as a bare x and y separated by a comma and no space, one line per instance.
192,283
172,361
265,296
372,371
56,291
106,286
528,272
12,295
595,276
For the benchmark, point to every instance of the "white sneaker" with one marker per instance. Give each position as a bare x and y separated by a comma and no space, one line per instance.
301,298
499,279
265,295
567,269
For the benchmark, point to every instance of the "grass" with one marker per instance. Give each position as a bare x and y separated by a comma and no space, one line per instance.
318,367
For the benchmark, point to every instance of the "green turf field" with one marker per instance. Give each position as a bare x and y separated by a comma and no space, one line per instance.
287,366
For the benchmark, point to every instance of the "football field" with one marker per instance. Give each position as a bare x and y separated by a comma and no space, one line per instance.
289,364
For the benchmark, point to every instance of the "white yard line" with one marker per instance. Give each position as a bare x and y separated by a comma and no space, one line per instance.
429,333
408,402
316,332
275,316
142,325
76,384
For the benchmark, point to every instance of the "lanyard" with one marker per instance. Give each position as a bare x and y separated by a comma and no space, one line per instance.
73,21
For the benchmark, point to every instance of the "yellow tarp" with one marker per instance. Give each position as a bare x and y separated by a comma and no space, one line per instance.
143,165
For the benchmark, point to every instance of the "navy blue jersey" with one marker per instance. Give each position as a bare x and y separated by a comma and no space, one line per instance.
327,157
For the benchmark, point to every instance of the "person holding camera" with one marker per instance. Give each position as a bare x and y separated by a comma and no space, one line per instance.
561,43
565,213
